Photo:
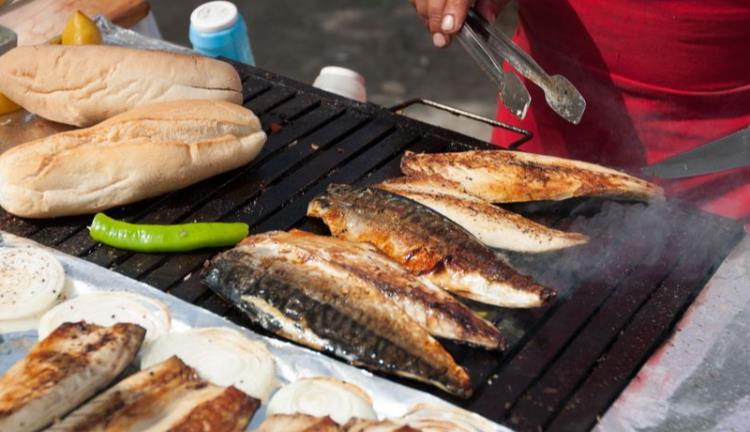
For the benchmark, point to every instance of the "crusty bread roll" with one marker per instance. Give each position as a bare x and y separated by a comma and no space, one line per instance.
85,84
135,155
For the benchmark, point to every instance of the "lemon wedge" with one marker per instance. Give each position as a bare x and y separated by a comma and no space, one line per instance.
80,30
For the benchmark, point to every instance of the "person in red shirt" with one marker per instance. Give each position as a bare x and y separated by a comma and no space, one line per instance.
660,77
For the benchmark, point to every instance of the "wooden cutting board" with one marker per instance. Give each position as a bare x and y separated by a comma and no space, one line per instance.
37,21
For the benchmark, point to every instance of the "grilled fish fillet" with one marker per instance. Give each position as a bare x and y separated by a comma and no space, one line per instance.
67,367
440,313
298,423
322,306
493,226
362,425
426,243
502,176
307,423
167,396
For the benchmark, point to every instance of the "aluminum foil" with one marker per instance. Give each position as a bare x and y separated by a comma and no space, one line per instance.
292,362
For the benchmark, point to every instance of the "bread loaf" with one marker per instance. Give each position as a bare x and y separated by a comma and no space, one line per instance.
83,85
138,154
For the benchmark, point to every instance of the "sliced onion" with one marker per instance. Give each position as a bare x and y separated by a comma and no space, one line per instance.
320,397
109,308
443,418
31,279
221,356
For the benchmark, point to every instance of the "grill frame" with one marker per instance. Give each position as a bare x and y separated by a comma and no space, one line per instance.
568,361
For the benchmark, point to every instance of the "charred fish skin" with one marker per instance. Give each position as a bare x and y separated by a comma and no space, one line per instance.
63,370
340,317
426,243
167,396
439,312
298,423
512,176
230,411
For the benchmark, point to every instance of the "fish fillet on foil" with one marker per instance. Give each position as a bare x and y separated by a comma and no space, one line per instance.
307,423
502,176
439,312
298,423
322,306
167,396
426,243
63,370
493,226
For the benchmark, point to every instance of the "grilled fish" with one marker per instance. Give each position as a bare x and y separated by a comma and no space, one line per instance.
298,423
322,306
167,396
440,313
362,425
501,176
67,367
307,423
493,226
426,243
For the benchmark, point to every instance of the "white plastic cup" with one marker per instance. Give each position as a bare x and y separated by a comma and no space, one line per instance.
342,81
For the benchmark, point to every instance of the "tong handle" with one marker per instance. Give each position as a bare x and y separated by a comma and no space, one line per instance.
511,91
479,52
522,62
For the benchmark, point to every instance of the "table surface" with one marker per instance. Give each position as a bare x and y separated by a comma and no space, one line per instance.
698,379
38,21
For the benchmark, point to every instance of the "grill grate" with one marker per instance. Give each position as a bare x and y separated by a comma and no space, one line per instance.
620,295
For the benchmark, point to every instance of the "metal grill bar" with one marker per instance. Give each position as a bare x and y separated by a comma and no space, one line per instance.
566,363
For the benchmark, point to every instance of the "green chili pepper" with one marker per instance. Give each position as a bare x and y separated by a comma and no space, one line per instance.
165,238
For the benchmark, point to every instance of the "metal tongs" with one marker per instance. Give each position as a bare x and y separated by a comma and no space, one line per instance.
490,48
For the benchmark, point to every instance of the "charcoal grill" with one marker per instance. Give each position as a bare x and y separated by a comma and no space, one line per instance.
620,295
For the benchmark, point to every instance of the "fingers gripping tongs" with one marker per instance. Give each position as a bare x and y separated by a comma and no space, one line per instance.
490,48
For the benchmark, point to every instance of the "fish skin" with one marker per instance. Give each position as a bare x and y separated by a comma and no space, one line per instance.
502,176
67,367
426,243
492,225
167,396
439,312
363,425
298,423
321,306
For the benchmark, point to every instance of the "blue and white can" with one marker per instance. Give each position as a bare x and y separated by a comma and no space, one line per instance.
218,29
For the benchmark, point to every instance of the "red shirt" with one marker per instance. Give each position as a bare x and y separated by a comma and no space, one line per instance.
659,77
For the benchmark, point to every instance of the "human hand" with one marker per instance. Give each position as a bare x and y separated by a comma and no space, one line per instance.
444,18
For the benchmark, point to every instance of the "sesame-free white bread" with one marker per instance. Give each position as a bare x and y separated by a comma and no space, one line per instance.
84,84
138,154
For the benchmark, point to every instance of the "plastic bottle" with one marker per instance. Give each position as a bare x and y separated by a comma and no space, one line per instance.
217,29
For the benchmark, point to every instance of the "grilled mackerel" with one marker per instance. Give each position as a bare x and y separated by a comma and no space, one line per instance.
322,306
502,176
167,396
493,226
426,243
307,423
298,423
67,367
440,313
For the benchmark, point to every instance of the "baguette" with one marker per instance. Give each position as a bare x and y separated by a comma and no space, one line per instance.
83,85
136,155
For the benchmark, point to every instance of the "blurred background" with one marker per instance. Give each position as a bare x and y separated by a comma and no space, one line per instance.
381,39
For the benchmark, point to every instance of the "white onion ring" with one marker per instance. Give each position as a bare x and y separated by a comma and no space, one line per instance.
443,418
221,356
320,397
107,309
31,280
